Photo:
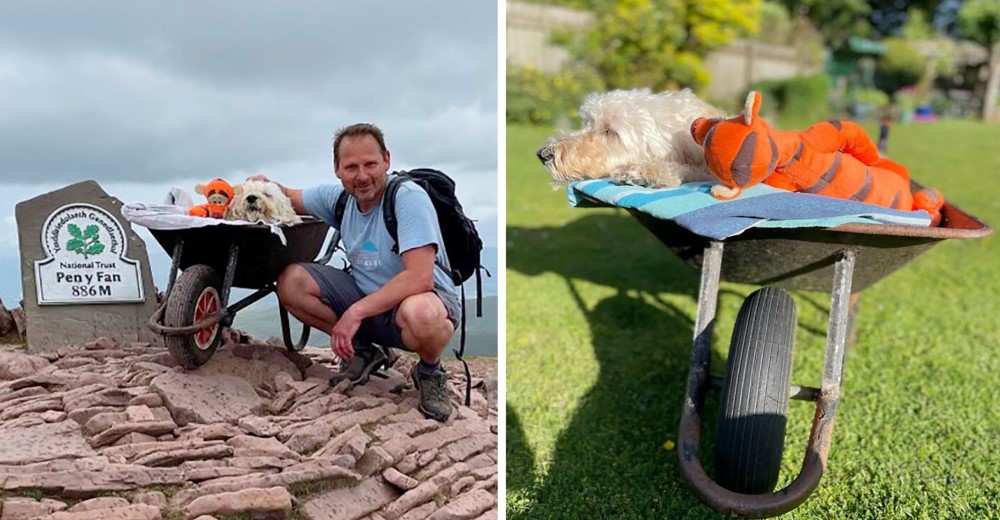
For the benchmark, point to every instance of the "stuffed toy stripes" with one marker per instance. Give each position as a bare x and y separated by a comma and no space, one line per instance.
833,158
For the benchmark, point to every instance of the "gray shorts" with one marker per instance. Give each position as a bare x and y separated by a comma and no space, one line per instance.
339,291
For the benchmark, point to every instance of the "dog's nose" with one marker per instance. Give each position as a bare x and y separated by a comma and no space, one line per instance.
251,198
545,154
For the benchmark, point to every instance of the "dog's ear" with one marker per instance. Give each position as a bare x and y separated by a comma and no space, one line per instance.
237,190
200,188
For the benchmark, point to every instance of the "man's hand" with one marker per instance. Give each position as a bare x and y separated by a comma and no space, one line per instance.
342,334
259,177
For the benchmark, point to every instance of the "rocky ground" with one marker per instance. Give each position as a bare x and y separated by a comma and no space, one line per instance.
109,431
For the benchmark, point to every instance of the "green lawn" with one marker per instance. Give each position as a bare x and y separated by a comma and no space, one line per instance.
599,319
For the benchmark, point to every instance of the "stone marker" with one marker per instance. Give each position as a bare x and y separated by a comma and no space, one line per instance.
84,272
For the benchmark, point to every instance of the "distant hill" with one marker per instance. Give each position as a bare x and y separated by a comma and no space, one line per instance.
261,320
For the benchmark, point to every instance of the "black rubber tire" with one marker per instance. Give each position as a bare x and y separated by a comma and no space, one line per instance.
754,406
180,313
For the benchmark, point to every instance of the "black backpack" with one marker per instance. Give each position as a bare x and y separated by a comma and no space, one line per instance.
461,240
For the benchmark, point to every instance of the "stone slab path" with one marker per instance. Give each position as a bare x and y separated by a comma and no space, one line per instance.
256,430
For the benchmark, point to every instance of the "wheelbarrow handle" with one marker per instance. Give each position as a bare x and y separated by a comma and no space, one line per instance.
155,323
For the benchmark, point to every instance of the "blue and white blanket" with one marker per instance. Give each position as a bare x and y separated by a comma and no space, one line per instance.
692,206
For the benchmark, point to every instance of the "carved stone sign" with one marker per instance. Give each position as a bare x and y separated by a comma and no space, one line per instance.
86,259
84,272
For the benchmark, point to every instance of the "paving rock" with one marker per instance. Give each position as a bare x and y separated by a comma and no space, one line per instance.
152,498
259,368
132,512
469,446
196,398
259,426
35,405
316,434
21,508
43,380
249,446
287,477
420,512
82,415
333,447
467,506
149,399
394,477
134,438
273,499
15,365
43,442
350,503
174,457
209,432
21,393
461,485
105,397
99,503
114,477
425,491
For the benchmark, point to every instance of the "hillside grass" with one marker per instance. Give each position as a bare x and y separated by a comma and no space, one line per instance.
599,320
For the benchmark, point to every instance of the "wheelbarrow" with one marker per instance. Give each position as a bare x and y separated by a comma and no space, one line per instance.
213,260
756,387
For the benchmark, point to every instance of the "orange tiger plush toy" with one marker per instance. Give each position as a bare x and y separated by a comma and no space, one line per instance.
833,158
218,193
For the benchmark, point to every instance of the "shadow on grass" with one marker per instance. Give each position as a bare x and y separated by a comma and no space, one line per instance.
609,461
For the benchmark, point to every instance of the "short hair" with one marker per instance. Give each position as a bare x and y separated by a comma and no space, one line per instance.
353,131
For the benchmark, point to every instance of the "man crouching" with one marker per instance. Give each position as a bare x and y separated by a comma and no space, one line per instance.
400,297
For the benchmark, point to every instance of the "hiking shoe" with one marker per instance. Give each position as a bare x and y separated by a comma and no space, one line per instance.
434,402
367,359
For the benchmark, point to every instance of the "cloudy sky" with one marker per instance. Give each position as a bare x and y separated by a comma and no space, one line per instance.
142,96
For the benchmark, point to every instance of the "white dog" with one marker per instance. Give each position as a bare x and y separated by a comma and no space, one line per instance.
632,136
261,201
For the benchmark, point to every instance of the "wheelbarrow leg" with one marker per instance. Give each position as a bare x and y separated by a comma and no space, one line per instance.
286,331
689,436
852,333
227,283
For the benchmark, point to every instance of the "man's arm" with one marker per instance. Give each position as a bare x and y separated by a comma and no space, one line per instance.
296,197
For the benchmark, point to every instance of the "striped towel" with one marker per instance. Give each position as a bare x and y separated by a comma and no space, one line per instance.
692,206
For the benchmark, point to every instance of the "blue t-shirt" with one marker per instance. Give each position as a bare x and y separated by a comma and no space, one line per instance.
368,244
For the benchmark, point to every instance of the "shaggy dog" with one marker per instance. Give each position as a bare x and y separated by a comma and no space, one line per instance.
633,136
261,201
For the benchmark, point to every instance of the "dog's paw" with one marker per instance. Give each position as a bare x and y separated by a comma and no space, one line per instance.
630,175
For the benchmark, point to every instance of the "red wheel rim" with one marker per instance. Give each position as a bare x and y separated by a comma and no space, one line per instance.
207,305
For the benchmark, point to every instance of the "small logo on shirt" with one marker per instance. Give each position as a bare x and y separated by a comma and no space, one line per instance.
366,256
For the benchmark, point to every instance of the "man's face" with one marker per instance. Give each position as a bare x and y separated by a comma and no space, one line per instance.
363,169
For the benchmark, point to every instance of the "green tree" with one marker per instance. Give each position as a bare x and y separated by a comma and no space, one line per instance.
659,44
979,20
837,21
901,66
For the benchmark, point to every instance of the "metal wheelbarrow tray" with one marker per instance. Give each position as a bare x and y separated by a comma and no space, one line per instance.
213,260
757,387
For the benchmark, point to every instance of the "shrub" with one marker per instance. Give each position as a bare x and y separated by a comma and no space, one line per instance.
537,97
804,98
900,66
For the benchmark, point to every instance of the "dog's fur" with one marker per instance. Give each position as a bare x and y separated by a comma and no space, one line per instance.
632,136
261,201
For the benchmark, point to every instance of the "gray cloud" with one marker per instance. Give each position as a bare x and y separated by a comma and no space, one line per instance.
129,91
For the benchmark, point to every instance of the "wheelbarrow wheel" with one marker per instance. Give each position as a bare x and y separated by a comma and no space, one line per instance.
194,297
751,431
